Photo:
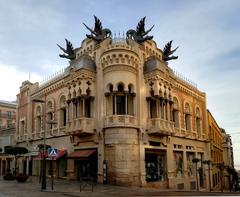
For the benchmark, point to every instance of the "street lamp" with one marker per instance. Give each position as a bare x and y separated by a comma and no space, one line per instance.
196,160
208,162
44,144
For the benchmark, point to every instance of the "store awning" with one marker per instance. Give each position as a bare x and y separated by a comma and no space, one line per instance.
81,154
60,154
40,156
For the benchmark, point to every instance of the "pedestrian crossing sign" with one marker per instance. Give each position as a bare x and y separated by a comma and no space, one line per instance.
52,152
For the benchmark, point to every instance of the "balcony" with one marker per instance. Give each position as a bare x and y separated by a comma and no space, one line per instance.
22,138
160,127
120,121
80,126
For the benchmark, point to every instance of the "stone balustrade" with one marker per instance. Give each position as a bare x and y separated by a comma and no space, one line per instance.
160,126
120,120
82,125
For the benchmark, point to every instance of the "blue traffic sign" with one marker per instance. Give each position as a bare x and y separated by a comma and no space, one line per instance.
52,152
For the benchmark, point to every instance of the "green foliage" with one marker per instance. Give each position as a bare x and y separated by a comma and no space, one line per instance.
15,150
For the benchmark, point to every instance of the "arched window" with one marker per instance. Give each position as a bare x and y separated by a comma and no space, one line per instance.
175,112
63,111
22,127
187,117
120,102
49,113
198,121
38,119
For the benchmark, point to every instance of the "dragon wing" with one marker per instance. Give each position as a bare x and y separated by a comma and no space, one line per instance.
69,47
62,48
141,26
98,26
167,48
89,29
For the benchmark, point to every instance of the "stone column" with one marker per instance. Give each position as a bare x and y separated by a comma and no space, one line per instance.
171,171
161,109
126,103
83,107
70,169
115,104
134,104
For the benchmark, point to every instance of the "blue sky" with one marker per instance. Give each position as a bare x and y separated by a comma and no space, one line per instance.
207,33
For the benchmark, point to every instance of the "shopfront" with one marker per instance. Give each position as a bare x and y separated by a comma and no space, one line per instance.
85,163
155,165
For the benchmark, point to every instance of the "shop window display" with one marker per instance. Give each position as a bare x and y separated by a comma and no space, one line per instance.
178,157
190,166
155,167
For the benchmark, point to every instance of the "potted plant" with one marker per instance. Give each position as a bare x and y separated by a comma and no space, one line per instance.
8,176
21,178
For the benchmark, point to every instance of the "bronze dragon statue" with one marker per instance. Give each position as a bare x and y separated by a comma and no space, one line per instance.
98,34
167,52
69,51
139,35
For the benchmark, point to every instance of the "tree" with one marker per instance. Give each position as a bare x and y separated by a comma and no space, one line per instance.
16,151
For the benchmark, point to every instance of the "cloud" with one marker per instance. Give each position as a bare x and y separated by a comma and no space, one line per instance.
11,80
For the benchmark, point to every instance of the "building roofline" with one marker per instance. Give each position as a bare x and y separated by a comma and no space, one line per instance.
12,104
220,128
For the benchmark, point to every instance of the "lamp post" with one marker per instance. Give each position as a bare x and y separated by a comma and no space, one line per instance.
44,145
208,162
196,160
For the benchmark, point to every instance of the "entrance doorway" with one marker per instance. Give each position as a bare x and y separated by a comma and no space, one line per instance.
85,163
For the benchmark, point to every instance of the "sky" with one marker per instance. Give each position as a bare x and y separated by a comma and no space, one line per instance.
207,33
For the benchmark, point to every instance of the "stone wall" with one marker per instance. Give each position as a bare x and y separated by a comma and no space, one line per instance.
122,156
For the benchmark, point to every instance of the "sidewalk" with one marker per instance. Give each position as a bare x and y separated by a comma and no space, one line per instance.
72,188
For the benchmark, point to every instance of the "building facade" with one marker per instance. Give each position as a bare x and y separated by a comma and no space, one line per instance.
7,131
216,149
228,173
122,115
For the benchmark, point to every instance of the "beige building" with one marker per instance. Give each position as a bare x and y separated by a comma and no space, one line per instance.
215,134
123,116
7,131
229,170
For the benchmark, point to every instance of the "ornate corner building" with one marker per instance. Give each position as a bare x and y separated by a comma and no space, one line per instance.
121,114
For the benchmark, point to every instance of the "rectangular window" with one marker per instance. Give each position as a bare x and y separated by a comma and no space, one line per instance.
120,101
88,108
153,109
8,115
9,123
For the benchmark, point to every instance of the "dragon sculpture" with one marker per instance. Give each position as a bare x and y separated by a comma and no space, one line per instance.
69,51
98,34
139,35
167,52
